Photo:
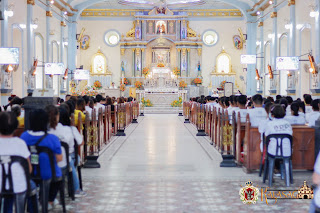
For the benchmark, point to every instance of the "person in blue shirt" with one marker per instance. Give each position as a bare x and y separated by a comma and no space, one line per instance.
38,128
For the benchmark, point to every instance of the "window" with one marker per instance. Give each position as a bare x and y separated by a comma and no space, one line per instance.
112,38
210,38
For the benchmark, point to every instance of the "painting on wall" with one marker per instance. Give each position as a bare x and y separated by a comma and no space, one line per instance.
85,42
237,41
161,27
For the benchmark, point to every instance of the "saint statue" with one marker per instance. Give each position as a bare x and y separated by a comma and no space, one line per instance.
122,66
199,66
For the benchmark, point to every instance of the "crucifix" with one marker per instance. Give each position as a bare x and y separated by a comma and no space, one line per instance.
43,91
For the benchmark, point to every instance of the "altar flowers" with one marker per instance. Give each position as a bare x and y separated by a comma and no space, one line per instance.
197,81
145,71
97,85
176,71
138,84
182,84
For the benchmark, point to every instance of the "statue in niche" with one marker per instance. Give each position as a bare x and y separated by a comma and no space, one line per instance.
138,32
99,64
199,66
122,66
161,10
183,33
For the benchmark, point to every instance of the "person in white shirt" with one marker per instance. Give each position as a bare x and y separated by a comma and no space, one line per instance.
258,113
315,114
242,100
315,204
99,104
233,106
308,105
113,86
13,146
290,101
215,94
295,118
278,125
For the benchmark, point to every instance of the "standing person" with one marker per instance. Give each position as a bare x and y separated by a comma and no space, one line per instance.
13,146
258,113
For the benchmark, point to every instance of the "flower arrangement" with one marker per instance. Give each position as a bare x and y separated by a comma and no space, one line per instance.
160,65
85,92
177,103
145,71
197,81
182,84
122,87
222,84
125,81
138,84
176,71
146,103
97,85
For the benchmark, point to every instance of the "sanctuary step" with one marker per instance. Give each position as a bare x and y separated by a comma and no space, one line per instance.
161,109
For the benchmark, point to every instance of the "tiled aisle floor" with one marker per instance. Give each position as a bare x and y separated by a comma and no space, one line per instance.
161,167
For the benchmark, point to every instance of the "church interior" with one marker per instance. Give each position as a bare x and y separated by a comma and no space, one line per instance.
173,105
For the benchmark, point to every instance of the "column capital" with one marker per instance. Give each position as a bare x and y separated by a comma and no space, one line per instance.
142,49
179,49
63,24
291,2
31,2
274,15
260,24
49,13
122,50
199,51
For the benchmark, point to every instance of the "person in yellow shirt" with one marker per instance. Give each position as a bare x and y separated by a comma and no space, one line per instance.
80,108
16,109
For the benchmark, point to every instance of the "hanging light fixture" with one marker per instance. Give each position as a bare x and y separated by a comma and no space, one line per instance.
270,72
9,68
312,69
257,75
65,77
34,68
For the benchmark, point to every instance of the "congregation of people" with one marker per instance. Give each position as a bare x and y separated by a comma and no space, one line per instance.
54,129
273,116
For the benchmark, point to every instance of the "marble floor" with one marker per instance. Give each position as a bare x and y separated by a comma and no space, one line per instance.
161,166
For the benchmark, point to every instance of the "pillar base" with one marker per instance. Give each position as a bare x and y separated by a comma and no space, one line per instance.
180,114
186,121
228,161
120,133
201,133
141,114
91,162
134,121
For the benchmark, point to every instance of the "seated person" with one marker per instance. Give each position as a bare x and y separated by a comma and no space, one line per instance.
258,113
10,145
278,125
233,106
80,108
38,130
315,114
242,100
308,105
295,118
113,86
17,111
315,204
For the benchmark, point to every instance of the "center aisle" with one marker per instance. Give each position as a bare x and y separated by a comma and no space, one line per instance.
160,166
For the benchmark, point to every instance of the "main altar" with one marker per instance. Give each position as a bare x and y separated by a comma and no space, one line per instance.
161,42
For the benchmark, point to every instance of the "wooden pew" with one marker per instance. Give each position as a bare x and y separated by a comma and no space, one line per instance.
303,156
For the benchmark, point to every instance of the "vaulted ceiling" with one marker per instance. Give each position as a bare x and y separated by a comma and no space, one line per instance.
247,7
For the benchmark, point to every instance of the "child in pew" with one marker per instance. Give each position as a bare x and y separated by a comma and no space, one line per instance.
313,116
242,100
278,125
258,113
295,118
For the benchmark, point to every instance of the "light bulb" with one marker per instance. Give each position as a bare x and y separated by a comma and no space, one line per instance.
65,12
311,69
10,68
23,26
299,26
270,2
288,26
34,26
258,12
52,1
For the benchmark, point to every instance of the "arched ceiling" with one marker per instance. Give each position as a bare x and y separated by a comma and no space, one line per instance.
246,6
